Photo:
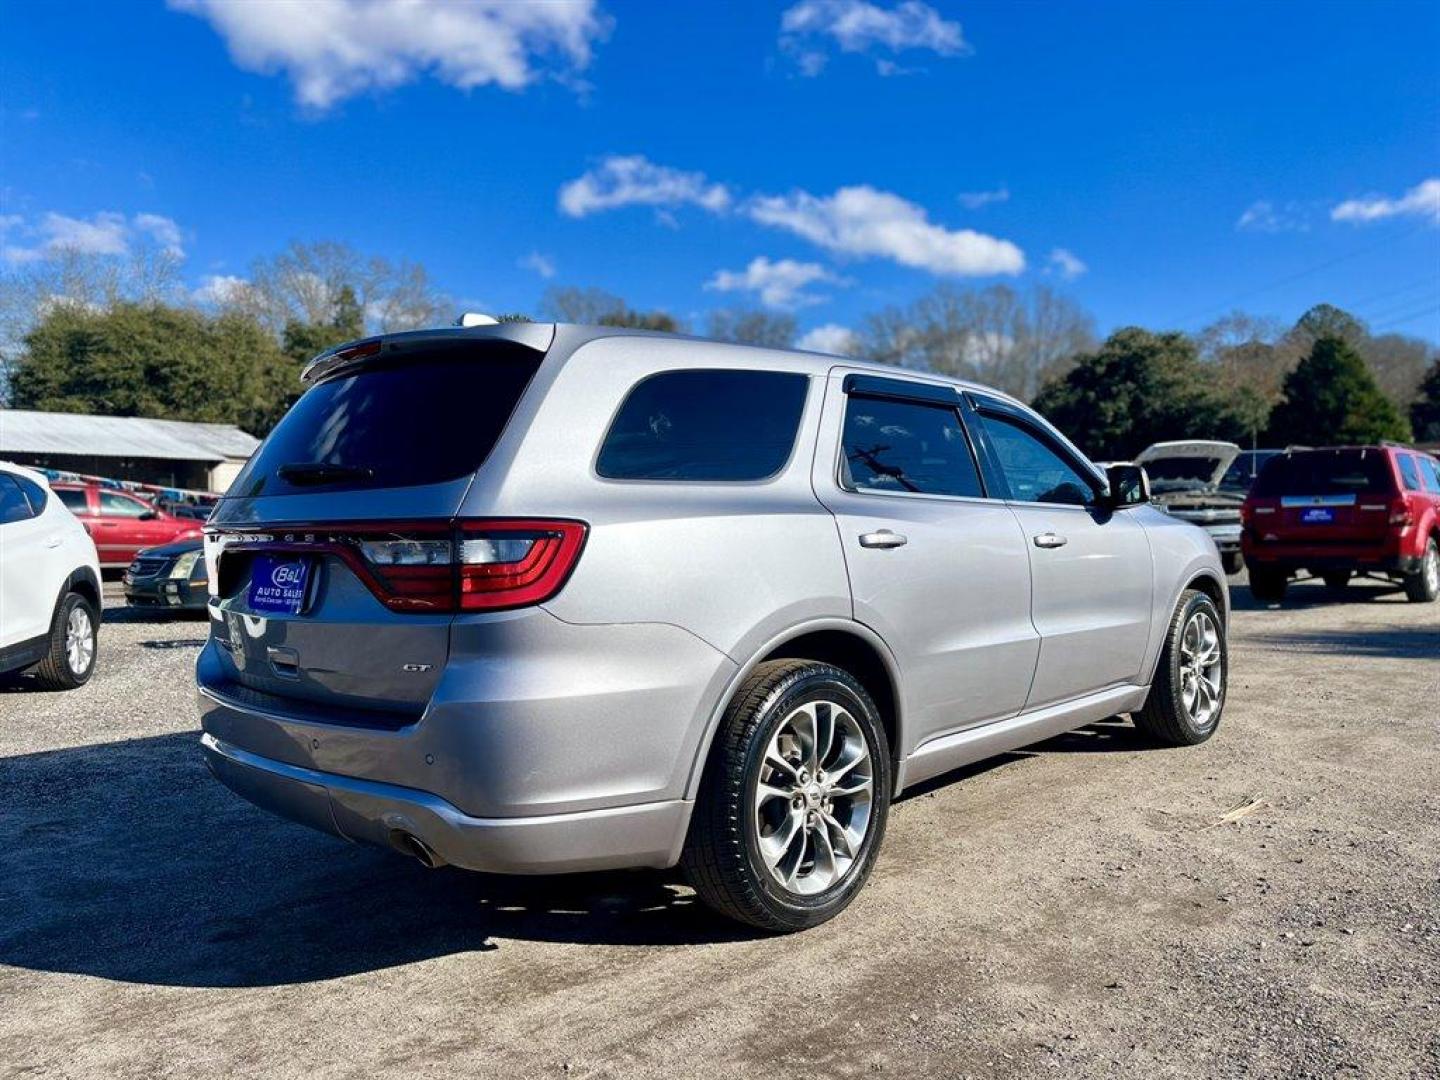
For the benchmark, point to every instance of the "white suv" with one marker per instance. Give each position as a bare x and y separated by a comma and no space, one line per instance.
49,584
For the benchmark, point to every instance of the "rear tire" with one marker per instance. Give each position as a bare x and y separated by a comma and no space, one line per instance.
74,645
1188,694
1268,584
1336,580
774,841
1423,586
1233,562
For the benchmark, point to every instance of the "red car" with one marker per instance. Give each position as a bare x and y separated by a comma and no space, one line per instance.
1344,511
120,523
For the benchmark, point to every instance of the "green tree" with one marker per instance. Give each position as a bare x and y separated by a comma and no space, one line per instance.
1331,398
1425,413
151,359
304,340
1139,388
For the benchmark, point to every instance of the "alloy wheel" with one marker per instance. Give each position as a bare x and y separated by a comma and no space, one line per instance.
812,803
1202,670
79,641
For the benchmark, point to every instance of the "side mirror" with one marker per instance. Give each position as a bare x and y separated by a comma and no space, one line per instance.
1129,486
149,515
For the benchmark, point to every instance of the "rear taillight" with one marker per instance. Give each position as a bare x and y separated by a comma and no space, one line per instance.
438,567
506,564
1401,513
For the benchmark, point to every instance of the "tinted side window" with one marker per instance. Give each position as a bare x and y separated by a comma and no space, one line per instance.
1033,470
907,446
705,425
120,505
13,504
75,500
1430,474
33,492
1408,472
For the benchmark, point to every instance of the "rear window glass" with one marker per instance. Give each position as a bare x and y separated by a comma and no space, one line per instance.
1244,469
906,446
423,419
1326,472
705,425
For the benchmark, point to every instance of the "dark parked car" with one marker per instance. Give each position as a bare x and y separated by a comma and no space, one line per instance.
171,576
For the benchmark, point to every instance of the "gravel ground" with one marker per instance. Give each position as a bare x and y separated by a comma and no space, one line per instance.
1073,910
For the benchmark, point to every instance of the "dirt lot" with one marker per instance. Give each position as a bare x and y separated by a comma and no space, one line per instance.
1071,911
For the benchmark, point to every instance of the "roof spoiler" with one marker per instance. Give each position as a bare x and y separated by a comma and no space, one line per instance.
351,354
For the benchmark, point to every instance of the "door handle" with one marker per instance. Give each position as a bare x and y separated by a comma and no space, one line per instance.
1049,540
54,541
882,538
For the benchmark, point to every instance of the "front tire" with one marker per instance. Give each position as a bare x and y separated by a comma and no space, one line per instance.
1188,694
794,799
74,642
1423,586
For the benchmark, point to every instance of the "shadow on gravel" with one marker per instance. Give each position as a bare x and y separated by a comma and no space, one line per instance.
1102,737
1411,642
1312,594
127,861
126,614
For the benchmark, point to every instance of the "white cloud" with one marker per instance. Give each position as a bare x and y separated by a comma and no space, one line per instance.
334,49
543,265
857,26
106,233
634,180
1266,217
974,200
864,222
220,289
1423,200
830,338
779,284
163,231
1066,264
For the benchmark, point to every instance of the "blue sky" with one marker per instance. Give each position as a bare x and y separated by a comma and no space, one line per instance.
1162,163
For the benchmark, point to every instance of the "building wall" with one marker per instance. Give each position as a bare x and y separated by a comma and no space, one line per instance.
193,475
223,475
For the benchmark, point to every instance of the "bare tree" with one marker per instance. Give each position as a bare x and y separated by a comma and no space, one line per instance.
147,273
750,326
1012,340
303,284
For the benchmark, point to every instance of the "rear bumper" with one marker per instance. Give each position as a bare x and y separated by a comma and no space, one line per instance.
365,811
1365,561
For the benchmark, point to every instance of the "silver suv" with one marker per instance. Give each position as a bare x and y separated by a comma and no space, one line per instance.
534,598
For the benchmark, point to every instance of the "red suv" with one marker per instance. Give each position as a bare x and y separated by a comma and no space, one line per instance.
120,523
1343,511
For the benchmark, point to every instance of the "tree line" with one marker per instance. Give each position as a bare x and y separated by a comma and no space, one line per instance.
81,335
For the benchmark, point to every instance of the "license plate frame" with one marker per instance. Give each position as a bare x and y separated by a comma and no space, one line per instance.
279,584
1318,515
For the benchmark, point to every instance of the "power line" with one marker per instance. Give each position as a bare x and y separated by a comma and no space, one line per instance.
1298,275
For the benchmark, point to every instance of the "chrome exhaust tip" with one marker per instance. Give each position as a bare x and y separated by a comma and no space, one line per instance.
409,844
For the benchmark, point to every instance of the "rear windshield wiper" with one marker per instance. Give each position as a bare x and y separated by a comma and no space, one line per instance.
301,473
